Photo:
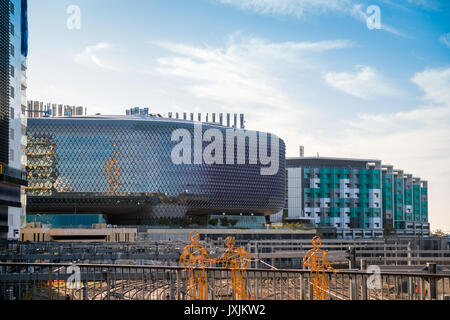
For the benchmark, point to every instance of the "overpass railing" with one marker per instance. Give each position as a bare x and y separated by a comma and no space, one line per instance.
61,281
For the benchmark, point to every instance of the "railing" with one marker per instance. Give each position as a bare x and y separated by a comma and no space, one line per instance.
50,281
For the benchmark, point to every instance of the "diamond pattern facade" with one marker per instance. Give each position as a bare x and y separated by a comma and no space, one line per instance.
122,167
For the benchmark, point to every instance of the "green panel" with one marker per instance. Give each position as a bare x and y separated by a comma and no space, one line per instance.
416,202
311,193
335,212
424,204
424,191
315,193
324,183
306,173
307,193
387,187
408,197
399,225
354,212
398,198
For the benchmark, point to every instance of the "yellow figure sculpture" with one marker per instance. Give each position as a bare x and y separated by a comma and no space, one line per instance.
194,258
317,260
236,260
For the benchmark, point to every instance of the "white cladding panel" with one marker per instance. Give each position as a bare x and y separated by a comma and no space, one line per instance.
295,197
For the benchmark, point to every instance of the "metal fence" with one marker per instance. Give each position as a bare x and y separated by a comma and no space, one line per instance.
50,281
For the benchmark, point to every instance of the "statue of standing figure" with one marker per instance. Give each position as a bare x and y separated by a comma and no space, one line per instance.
236,260
195,258
317,260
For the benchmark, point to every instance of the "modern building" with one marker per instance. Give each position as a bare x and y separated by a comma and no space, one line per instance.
39,109
146,169
405,202
13,84
360,198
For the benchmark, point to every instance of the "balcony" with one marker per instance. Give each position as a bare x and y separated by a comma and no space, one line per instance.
24,64
24,81
23,100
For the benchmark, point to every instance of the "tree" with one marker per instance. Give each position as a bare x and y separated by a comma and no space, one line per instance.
213,222
439,233
387,229
224,221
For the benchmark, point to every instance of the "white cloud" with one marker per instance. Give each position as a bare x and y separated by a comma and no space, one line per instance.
426,4
243,72
436,85
416,140
365,83
90,56
445,39
295,8
300,8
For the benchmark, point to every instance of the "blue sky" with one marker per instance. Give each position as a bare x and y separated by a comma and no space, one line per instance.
310,71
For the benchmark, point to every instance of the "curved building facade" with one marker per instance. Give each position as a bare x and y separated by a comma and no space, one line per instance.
132,169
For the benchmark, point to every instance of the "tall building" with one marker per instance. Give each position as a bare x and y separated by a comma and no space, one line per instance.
128,169
39,109
13,84
360,198
409,203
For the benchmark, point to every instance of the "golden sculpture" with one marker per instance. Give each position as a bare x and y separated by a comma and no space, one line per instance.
317,260
194,258
236,260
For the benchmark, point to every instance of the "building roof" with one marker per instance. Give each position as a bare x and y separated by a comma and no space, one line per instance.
333,158
327,162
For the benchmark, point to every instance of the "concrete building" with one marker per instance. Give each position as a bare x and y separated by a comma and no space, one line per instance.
361,198
36,232
13,85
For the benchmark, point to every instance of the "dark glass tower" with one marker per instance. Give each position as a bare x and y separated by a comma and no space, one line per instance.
4,81
13,36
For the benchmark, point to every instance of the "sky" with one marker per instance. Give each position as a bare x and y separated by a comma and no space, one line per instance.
343,78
